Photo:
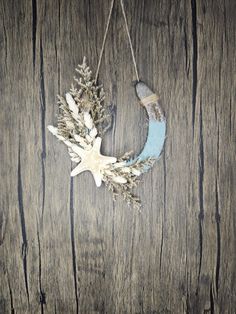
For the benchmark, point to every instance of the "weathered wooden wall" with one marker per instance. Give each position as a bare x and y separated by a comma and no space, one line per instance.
65,247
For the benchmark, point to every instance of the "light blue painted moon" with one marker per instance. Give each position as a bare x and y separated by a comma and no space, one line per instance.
156,128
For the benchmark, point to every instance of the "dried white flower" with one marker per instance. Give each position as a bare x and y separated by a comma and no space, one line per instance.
89,138
119,179
136,172
71,153
88,121
70,125
72,104
119,164
126,169
75,159
79,139
109,172
52,129
93,133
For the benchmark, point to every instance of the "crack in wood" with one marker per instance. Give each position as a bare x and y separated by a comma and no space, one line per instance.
3,225
11,297
188,303
22,222
6,43
186,52
231,128
42,294
212,307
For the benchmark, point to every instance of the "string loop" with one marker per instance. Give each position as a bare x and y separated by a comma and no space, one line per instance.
105,37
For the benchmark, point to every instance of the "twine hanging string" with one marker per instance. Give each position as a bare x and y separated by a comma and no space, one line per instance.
129,38
105,37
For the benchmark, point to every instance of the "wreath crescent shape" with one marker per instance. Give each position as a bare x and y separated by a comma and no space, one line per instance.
83,119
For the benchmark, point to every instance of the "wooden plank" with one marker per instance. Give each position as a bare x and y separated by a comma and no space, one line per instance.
65,247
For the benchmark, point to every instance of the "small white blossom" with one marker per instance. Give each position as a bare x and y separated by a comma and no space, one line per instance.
136,172
72,104
126,169
93,132
119,179
88,121
89,138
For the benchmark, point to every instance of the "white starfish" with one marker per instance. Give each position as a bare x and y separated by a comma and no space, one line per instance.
92,160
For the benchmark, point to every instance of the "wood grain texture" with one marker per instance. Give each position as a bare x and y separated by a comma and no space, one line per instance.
65,247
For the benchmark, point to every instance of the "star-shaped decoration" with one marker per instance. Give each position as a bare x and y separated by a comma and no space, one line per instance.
92,160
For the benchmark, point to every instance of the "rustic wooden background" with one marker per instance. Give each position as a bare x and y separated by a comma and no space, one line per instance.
65,247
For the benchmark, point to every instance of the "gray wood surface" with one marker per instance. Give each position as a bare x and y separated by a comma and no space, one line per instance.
65,247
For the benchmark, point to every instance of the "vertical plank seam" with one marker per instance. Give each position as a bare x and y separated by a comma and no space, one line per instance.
5,36
43,112
200,189
194,60
132,258
217,219
72,237
57,57
164,213
34,29
187,264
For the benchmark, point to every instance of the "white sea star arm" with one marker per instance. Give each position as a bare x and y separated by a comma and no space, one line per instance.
109,160
97,178
97,144
92,160
78,169
105,159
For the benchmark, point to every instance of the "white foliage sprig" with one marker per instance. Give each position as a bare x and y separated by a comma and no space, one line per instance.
76,111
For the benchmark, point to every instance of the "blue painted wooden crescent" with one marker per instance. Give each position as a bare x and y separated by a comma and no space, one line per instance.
157,124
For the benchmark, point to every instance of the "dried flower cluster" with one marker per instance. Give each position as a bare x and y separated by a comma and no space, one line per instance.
83,119
121,179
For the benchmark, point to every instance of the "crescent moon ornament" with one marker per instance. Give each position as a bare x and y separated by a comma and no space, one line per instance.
157,124
84,118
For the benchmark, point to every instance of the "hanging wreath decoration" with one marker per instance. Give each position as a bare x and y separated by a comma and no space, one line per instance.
84,118
82,122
